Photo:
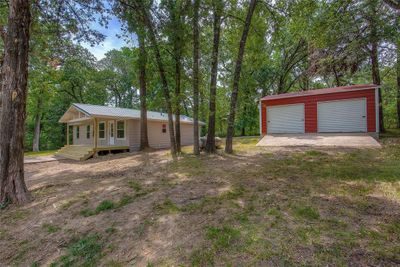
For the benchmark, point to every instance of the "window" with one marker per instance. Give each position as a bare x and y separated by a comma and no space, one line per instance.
102,130
120,129
88,131
77,132
164,128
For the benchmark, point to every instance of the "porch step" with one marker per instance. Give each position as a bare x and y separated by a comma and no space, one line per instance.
76,152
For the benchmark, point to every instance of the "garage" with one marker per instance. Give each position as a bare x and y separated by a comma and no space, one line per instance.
286,119
345,109
345,116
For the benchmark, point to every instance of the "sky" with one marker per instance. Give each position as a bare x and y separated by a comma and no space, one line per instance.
112,41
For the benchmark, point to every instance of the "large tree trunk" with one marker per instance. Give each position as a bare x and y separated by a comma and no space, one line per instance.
144,139
196,56
14,89
376,78
210,144
38,120
236,78
147,21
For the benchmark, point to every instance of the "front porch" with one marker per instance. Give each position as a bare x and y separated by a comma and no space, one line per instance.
82,152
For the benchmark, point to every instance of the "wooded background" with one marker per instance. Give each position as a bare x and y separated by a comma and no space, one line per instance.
291,46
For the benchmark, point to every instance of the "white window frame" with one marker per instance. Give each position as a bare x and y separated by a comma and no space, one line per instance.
98,130
90,131
77,132
116,132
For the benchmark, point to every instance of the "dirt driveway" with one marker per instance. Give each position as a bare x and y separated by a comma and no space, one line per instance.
319,140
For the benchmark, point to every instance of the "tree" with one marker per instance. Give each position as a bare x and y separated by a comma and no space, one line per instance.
373,52
14,91
14,80
144,139
196,56
175,28
236,78
217,20
147,20
398,81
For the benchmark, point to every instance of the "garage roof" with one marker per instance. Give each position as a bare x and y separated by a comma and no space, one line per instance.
340,89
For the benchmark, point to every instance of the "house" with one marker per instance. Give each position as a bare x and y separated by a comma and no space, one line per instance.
95,129
345,109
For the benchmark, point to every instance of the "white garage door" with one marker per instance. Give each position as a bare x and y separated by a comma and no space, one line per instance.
285,119
344,116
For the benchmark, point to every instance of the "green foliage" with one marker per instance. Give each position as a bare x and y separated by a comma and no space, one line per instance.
292,46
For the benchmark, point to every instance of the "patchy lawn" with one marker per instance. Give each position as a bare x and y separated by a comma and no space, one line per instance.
258,207
40,153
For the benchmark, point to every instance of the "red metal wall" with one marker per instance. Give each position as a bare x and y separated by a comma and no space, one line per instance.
310,107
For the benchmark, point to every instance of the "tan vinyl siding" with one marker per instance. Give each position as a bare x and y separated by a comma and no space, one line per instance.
134,134
157,139
82,135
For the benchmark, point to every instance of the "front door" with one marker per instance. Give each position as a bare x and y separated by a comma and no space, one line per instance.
111,133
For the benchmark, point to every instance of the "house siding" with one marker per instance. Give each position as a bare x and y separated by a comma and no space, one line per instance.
310,107
157,139
82,140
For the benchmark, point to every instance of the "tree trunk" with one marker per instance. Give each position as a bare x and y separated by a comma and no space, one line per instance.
178,99
196,56
236,78
376,79
38,119
144,139
210,144
14,88
398,82
146,18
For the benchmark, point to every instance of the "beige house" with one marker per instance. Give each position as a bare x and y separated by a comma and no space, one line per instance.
93,129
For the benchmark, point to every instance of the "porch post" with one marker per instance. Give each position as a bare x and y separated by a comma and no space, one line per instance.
95,133
67,134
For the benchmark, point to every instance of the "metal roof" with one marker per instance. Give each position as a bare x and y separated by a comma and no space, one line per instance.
104,111
340,89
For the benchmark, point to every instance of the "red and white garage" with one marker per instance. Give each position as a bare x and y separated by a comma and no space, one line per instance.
347,109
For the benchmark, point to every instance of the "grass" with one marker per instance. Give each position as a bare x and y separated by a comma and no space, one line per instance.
51,228
40,153
135,185
167,207
222,238
107,205
300,207
306,212
85,251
